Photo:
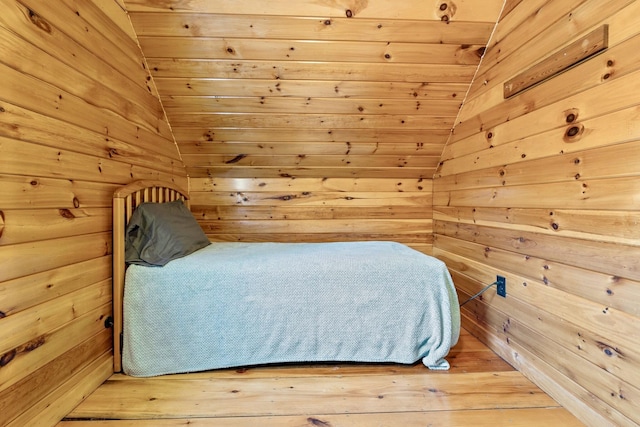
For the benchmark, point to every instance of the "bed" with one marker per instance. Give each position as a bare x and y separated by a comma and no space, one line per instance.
231,304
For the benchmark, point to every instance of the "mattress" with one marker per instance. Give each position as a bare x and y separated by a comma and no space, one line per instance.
244,304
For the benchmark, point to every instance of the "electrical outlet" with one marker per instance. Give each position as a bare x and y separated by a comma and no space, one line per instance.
502,286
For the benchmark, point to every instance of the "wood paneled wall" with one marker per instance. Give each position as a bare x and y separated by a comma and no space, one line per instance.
78,118
315,209
544,188
313,120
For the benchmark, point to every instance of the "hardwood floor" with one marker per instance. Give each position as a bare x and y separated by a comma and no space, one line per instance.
479,390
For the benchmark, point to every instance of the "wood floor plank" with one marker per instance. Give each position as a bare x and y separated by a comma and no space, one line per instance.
280,396
484,418
467,362
480,389
469,355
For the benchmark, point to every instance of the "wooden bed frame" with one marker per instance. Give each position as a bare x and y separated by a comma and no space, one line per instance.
125,200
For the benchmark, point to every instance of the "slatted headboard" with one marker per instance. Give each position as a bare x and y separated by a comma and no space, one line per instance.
125,200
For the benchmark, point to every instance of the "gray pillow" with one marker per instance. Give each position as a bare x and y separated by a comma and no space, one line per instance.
160,232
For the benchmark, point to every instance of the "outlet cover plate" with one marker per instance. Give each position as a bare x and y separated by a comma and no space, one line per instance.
502,286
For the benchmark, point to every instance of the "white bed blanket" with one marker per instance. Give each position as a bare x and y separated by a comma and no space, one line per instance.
240,304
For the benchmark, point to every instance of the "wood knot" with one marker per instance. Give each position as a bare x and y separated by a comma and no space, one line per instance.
7,357
66,213
39,22
446,11
573,133
317,422
236,159
327,22
349,13
32,345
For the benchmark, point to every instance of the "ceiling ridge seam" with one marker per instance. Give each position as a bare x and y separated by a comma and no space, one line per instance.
466,95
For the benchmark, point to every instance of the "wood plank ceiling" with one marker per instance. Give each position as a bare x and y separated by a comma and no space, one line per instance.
324,88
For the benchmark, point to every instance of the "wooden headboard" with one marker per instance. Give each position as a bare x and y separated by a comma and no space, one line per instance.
125,200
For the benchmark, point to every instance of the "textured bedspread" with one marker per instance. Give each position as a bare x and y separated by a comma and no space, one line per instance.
238,304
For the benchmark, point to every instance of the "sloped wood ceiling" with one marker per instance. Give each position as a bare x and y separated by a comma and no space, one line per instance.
324,88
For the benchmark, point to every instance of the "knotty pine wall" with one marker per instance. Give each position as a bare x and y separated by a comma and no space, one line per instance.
557,214
313,120
78,118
